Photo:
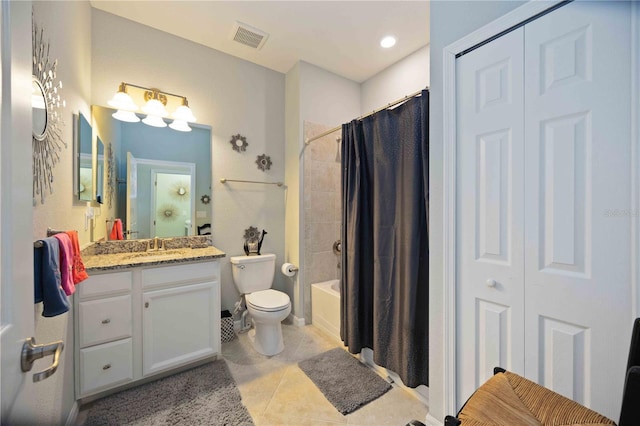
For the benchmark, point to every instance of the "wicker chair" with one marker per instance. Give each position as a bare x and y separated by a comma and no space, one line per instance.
509,399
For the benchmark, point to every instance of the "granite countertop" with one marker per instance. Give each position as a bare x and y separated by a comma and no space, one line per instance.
123,260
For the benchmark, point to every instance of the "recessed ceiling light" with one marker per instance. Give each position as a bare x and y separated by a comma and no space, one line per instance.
388,42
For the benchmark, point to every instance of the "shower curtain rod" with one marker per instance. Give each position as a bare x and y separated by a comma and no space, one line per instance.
389,105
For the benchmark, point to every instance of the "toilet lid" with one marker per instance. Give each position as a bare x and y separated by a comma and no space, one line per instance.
268,300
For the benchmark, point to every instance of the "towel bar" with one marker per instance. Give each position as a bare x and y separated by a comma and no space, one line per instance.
50,232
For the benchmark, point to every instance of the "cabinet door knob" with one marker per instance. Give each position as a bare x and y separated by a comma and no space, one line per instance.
106,321
491,282
106,367
146,304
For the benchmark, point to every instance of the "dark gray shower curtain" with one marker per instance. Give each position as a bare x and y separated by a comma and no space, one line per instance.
385,252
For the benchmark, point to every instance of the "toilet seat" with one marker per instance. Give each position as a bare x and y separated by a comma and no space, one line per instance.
268,300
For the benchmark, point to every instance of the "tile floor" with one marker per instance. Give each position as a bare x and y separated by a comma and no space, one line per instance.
277,392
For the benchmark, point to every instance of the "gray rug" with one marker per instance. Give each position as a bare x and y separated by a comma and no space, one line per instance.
344,381
205,395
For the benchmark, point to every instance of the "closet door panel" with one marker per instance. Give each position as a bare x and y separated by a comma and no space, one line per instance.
577,150
490,211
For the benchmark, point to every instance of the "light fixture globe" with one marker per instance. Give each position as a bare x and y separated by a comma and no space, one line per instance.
183,113
122,101
128,116
154,121
180,126
154,107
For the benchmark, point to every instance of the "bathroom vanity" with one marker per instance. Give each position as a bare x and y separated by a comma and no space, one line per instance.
139,316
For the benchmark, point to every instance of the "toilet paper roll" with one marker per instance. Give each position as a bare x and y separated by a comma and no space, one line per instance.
289,269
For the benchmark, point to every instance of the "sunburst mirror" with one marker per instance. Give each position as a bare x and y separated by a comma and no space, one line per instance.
47,122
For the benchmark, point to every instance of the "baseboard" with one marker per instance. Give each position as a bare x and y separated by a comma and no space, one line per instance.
432,421
73,414
298,322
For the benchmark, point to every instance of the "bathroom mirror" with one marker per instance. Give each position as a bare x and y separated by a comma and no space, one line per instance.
84,168
38,110
161,175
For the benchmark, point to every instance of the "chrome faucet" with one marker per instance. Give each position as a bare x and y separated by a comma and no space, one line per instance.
157,244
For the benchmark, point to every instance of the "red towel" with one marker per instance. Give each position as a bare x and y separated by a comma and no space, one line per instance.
66,263
116,230
79,274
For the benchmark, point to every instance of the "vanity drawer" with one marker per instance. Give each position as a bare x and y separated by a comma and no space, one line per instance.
104,320
190,272
105,365
105,284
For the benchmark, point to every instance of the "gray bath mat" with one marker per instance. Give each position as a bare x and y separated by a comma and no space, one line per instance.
205,395
344,381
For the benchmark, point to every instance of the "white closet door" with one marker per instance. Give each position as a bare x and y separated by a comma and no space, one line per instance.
577,150
490,212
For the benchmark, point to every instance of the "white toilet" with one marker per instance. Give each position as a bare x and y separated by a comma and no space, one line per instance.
253,276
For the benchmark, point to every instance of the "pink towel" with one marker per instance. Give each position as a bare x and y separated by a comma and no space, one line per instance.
79,273
66,263
116,230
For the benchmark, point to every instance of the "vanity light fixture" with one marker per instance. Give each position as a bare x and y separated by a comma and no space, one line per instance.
155,108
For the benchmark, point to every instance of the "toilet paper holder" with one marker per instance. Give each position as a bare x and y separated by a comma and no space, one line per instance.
289,269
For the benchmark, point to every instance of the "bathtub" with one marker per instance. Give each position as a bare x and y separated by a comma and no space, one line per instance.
325,307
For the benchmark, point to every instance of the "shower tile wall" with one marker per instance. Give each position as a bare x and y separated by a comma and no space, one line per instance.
322,209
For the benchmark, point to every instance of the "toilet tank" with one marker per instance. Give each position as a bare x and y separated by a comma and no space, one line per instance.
253,273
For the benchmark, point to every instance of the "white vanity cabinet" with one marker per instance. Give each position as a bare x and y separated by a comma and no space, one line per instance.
135,323
181,315
104,330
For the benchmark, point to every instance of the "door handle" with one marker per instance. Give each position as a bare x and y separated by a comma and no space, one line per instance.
31,352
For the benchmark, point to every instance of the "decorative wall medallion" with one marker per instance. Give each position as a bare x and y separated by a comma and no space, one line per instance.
253,240
168,212
111,175
251,234
46,122
239,143
179,190
264,162
205,199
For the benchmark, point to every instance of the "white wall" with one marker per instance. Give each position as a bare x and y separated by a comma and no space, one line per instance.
450,21
313,94
229,94
67,25
292,179
327,98
403,78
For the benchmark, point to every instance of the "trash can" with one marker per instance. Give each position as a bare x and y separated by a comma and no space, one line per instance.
227,333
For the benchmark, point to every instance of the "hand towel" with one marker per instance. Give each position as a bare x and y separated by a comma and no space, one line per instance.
79,274
116,230
66,263
47,279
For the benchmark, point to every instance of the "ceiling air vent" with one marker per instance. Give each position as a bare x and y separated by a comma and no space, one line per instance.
248,35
